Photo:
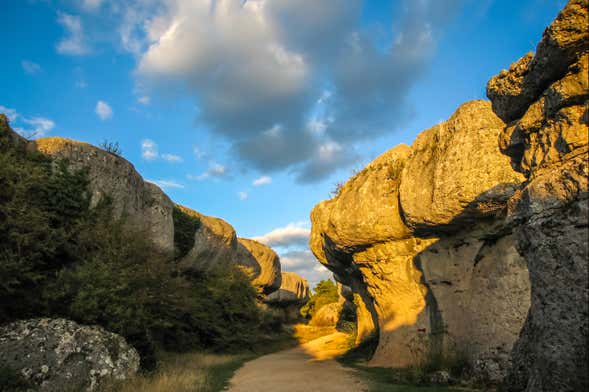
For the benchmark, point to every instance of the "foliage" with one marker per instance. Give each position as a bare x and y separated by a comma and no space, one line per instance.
12,381
325,292
111,147
185,226
62,258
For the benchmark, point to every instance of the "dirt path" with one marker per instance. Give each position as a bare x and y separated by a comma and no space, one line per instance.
307,368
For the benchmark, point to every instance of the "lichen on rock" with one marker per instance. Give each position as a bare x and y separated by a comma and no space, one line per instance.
59,354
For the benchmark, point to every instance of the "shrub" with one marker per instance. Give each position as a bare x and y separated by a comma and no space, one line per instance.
185,226
111,147
325,292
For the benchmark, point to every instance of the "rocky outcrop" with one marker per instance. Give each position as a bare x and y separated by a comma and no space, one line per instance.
418,272
547,140
446,242
215,243
268,276
59,355
294,289
144,205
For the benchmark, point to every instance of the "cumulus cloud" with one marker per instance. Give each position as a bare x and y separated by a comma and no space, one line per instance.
304,263
29,127
215,170
262,181
75,42
103,110
242,195
166,184
91,5
198,153
30,67
149,150
173,158
289,83
293,234
144,100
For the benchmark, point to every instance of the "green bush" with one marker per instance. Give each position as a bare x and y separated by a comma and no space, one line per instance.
325,292
12,381
185,226
61,258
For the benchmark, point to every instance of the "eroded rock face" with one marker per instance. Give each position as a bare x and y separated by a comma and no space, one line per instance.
492,259
547,140
294,289
58,354
420,278
456,173
215,242
269,276
145,206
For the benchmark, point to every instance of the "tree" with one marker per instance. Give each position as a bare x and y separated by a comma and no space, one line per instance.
325,292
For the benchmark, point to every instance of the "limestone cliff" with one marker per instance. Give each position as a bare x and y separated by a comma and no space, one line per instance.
447,241
544,98
146,207
292,294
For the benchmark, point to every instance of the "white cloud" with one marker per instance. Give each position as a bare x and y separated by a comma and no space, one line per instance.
103,110
30,67
172,158
75,41
199,154
91,5
242,195
256,66
29,127
262,181
10,113
144,100
293,234
305,264
149,150
215,170
166,183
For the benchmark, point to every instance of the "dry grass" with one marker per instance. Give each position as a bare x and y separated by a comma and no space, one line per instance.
194,372
305,333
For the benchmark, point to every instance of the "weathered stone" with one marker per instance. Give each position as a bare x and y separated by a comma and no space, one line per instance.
58,355
513,91
327,316
144,205
215,242
293,290
268,276
456,173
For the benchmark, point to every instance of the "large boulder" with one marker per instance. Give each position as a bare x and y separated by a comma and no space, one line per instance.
145,206
268,276
294,290
215,242
493,264
547,140
456,173
513,91
59,355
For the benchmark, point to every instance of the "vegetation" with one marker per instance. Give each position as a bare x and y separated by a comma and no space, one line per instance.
186,223
111,147
13,381
325,292
62,258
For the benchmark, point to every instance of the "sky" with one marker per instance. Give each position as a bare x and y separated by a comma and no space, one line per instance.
253,110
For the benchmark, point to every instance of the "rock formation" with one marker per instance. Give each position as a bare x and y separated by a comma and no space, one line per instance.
294,289
446,241
148,208
292,294
544,98
59,355
144,204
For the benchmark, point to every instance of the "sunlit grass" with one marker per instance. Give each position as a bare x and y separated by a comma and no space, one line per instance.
190,372
305,333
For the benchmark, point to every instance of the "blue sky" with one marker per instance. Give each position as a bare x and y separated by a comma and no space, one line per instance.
253,110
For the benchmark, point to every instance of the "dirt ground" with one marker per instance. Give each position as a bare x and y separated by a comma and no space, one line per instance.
307,368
